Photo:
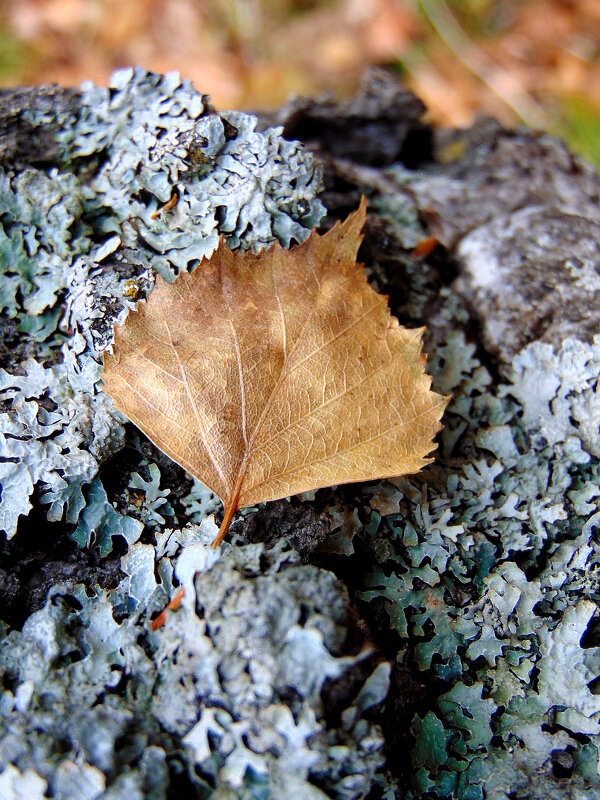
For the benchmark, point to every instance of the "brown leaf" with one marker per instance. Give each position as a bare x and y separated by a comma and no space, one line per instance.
272,374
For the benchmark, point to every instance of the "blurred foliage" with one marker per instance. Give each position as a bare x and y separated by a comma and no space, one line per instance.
13,57
580,126
523,61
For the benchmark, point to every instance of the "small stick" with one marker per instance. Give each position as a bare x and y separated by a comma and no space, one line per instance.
230,508
425,247
172,605
229,514
171,204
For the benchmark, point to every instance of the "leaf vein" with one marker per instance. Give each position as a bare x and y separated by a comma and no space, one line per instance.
343,452
186,384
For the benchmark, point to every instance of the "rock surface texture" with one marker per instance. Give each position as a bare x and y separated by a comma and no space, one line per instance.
426,637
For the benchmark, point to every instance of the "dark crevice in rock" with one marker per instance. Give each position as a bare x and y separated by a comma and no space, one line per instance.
304,528
41,555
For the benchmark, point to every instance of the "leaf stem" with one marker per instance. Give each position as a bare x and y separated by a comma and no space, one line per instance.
230,509
229,514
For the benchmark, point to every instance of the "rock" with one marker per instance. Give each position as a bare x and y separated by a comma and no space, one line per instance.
532,275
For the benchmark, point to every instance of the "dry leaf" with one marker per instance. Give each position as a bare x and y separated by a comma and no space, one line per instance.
272,374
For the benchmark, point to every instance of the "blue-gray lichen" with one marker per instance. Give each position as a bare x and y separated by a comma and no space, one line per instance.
229,690
55,431
159,137
505,635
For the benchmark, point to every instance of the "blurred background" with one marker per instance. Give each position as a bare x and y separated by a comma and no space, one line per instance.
522,61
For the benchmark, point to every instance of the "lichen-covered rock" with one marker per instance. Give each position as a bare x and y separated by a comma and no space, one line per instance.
161,137
229,690
486,625
54,433
472,663
31,120
486,564
487,172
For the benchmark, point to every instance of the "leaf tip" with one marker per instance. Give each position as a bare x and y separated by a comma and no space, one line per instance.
355,222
